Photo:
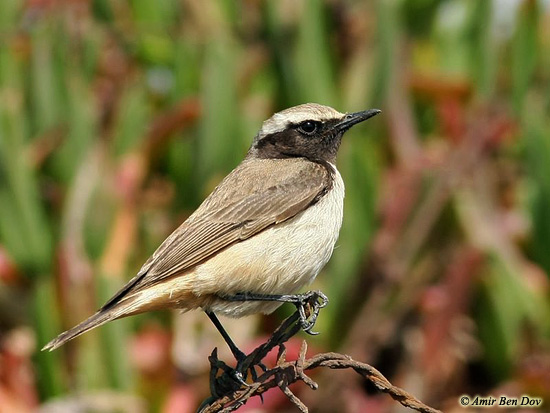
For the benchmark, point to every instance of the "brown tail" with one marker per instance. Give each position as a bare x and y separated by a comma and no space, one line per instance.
99,318
125,303
118,306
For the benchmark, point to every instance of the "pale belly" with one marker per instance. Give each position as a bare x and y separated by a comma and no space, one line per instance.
279,260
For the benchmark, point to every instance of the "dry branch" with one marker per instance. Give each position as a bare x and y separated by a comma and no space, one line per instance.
228,394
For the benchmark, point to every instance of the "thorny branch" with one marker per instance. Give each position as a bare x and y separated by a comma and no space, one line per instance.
228,395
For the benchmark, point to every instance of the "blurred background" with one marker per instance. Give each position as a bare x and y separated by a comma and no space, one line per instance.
117,117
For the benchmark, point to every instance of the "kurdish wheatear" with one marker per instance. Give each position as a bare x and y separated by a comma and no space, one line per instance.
264,233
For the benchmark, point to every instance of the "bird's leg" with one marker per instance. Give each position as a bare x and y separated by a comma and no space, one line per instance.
314,300
237,353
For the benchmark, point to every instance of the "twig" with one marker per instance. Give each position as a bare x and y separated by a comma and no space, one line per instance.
228,395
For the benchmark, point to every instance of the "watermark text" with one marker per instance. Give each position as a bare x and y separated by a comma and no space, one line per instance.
500,401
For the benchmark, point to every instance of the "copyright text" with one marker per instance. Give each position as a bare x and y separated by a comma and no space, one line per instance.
500,401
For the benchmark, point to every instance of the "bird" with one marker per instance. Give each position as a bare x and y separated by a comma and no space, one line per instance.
263,234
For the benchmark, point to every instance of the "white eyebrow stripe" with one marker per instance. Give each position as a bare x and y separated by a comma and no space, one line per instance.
297,114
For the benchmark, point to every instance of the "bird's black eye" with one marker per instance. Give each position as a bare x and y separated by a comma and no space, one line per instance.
308,127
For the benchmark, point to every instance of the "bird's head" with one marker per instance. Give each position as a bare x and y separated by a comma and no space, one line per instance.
310,130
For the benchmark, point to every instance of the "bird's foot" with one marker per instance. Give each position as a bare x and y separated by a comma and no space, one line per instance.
240,373
244,365
308,305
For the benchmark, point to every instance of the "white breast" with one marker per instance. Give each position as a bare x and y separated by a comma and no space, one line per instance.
279,260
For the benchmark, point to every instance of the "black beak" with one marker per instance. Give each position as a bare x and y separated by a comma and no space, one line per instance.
356,117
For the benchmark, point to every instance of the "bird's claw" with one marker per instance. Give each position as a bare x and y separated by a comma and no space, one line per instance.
240,373
313,301
239,378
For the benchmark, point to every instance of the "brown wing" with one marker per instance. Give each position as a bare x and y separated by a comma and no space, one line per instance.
255,196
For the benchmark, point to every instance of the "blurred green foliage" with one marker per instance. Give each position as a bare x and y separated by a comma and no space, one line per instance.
118,117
